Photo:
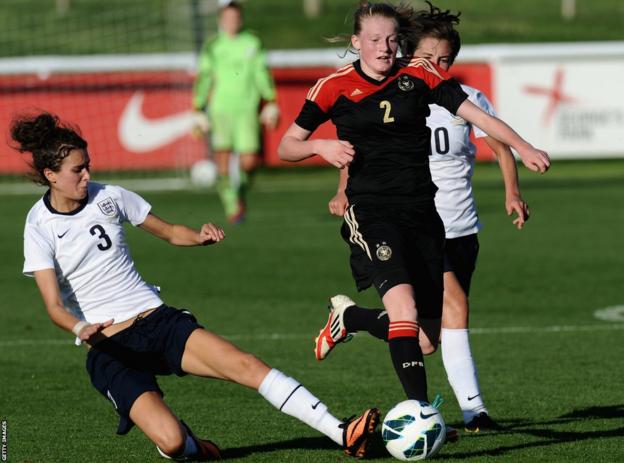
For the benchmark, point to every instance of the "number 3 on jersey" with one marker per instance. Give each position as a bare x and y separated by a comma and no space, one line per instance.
101,234
385,104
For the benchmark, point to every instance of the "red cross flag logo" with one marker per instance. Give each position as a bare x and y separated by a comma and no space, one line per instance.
555,95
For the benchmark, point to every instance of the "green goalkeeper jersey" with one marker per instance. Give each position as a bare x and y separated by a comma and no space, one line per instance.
232,74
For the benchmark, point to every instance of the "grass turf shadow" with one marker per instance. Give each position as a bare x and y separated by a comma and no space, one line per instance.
551,436
302,443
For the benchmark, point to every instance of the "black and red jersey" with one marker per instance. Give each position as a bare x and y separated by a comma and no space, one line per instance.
385,122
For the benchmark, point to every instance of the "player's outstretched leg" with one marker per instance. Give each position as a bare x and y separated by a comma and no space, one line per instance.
209,355
292,398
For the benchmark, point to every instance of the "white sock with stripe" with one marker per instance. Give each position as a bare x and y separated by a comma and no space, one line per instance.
290,397
462,371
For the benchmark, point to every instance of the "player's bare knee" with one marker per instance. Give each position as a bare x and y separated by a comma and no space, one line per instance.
403,311
170,440
247,361
248,162
251,369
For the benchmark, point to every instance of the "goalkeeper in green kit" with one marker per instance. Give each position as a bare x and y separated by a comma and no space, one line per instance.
232,80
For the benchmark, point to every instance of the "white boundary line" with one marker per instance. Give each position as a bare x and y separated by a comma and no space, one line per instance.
44,66
166,184
298,336
611,314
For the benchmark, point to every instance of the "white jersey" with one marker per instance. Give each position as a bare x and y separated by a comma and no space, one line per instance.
87,250
452,163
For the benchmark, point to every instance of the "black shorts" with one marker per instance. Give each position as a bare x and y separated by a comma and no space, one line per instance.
461,258
125,365
392,246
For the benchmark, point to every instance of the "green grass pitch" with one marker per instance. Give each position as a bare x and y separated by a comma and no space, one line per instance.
550,371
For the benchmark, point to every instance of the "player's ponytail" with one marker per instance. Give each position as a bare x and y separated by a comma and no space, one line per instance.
48,140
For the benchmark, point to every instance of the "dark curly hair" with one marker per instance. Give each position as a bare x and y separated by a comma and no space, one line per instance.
433,23
48,140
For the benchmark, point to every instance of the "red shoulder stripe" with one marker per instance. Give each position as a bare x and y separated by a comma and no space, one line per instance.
427,65
314,91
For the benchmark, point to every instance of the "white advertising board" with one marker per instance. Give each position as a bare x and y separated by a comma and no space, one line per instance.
570,104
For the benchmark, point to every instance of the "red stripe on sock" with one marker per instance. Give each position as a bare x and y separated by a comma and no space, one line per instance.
402,329
403,324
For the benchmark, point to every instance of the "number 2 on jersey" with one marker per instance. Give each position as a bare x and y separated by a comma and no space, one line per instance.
99,229
385,104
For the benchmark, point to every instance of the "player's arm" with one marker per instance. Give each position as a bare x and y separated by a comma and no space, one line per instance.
534,159
339,203
262,76
181,235
295,146
270,113
269,116
513,198
203,81
51,294
201,92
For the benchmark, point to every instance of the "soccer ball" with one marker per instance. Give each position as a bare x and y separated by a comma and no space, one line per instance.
413,430
204,173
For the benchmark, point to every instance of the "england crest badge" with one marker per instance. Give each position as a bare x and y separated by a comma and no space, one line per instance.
107,206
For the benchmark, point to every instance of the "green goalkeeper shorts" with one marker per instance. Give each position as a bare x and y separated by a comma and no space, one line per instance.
235,131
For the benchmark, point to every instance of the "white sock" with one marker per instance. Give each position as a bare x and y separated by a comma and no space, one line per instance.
462,372
290,397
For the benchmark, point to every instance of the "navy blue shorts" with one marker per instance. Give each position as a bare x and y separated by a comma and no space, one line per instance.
460,257
402,245
125,365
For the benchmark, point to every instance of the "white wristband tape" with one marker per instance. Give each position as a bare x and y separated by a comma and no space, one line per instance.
79,326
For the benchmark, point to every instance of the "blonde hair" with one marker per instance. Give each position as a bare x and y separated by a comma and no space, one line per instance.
402,14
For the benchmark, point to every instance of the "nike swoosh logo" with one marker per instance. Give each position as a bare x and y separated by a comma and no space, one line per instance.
139,134
473,397
425,416
63,234
315,405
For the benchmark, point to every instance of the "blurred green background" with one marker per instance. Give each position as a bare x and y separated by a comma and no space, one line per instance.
146,26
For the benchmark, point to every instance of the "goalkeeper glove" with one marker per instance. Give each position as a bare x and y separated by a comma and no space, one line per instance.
269,116
201,124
